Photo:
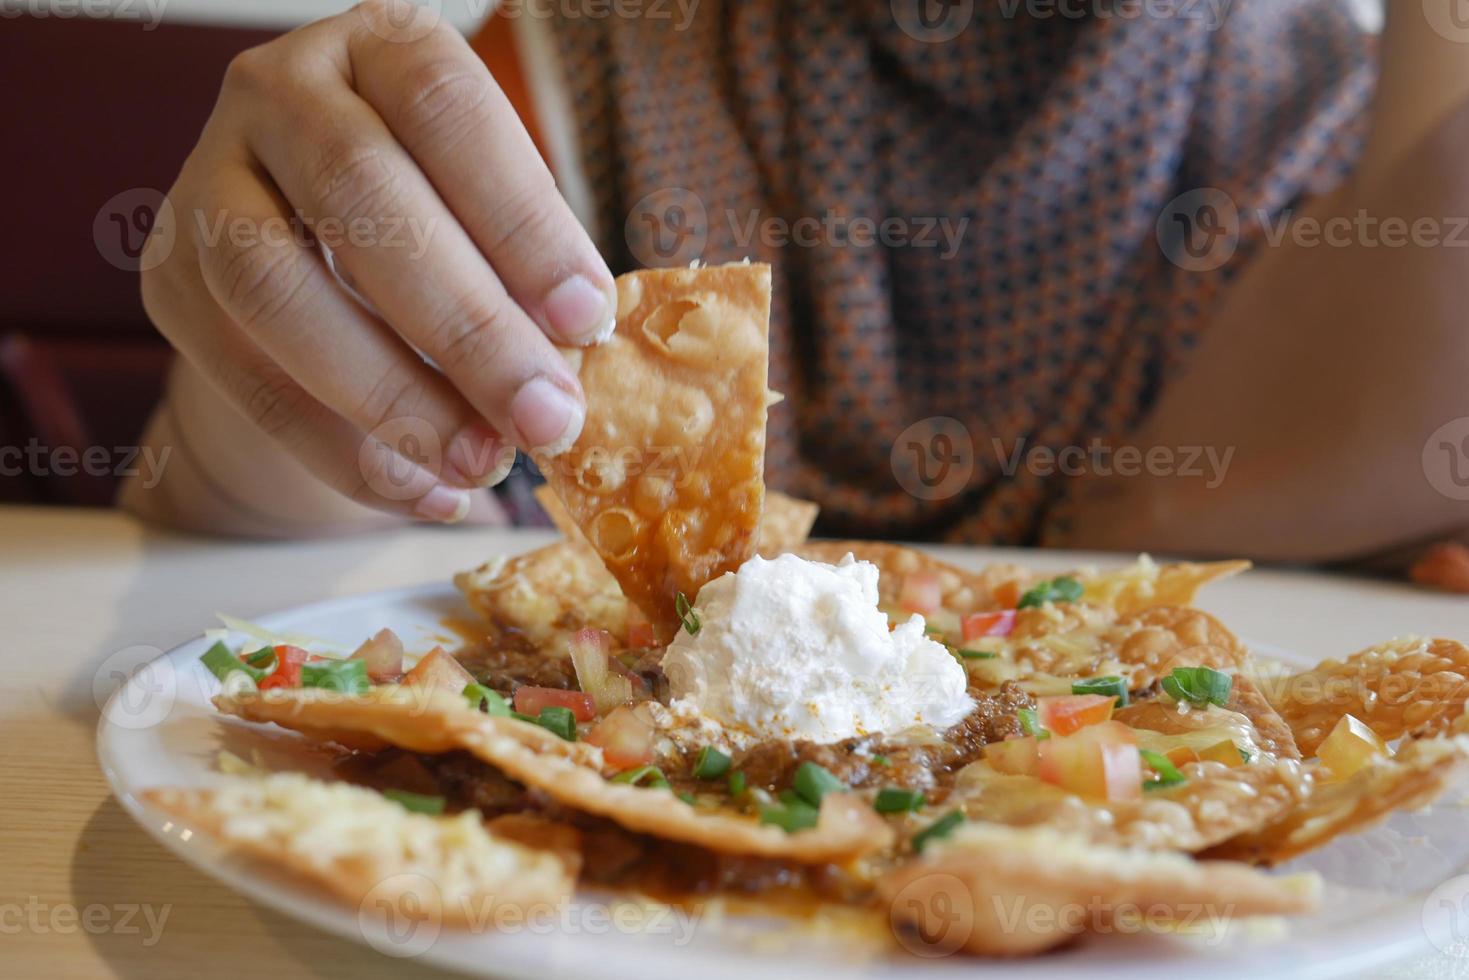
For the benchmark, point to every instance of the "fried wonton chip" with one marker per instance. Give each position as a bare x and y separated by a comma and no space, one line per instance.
547,594
568,772
361,845
667,478
1003,891
1411,780
962,591
1406,687
785,521
1145,585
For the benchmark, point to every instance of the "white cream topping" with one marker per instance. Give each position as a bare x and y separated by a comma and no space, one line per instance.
796,649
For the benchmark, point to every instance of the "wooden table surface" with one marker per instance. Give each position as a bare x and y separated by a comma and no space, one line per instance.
86,893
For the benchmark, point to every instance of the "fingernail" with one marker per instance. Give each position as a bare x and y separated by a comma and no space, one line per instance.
443,504
581,313
480,456
548,417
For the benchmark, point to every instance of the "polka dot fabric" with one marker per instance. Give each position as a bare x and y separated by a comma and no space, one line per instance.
1021,166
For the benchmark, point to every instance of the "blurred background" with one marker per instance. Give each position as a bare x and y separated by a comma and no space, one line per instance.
106,100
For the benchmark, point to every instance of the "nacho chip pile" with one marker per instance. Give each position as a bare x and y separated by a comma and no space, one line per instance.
1128,763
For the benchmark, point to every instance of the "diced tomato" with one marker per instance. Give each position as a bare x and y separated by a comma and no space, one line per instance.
530,701
1071,713
287,673
1226,752
1183,755
640,635
1014,756
439,670
625,739
1100,761
977,625
384,656
921,593
1008,594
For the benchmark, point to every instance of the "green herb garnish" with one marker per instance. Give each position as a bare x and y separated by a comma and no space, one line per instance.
1030,723
481,698
341,676
416,802
560,721
812,782
648,776
1115,686
686,614
711,764
881,760
976,655
737,784
222,663
264,658
1199,686
939,829
893,800
1168,774
1063,589
791,816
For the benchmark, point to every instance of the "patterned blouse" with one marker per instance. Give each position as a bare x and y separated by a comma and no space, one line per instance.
996,225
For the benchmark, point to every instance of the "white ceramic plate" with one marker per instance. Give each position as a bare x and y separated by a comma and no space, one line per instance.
160,730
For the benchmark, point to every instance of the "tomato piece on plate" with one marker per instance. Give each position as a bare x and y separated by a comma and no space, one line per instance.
1014,756
1008,594
439,670
1100,761
287,673
640,635
978,625
1070,713
921,593
625,739
530,701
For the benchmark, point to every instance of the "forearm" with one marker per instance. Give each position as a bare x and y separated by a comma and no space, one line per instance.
1325,371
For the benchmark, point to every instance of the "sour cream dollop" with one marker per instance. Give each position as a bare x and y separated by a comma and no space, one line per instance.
796,649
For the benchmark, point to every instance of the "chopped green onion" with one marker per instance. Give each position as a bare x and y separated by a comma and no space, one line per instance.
1115,686
521,716
933,631
416,802
790,817
892,800
686,614
264,658
650,776
1168,774
939,829
342,676
712,763
1064,589
222,663
688,798
737,784
1244,756
976,655
482,698
813,782
560,721
881,760
1199,686
1030,723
